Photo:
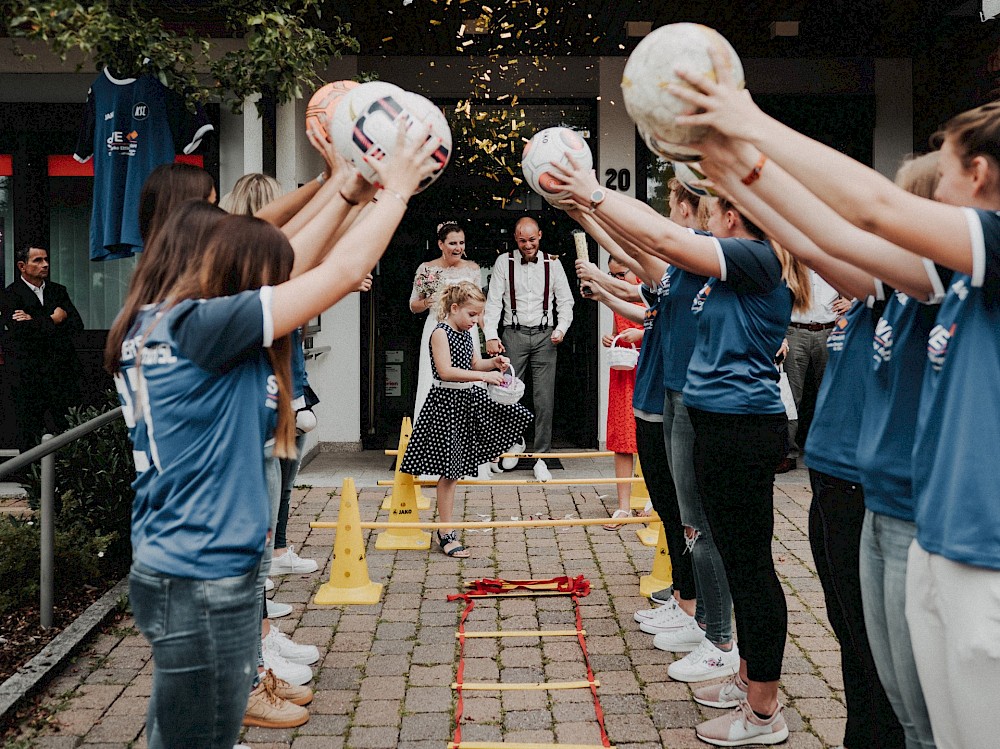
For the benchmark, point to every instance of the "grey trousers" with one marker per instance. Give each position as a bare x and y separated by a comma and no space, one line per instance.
531,349
807,356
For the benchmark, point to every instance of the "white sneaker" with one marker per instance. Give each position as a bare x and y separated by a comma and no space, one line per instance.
665,619
726,694
742,726
705,662
291,563
484,474
542,472
643,615
509,464
289,650
276,609
495,467
294,673
241,746
268,585
680,639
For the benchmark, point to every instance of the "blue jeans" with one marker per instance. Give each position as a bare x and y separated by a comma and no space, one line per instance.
885,543
272,472
204,639
715,604
289,472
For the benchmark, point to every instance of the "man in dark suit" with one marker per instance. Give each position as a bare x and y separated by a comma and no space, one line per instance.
39,321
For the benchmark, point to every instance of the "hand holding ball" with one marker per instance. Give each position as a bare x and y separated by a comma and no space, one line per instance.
365,126
653,66
552,146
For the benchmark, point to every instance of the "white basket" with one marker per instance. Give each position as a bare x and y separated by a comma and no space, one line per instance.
507,394
622,357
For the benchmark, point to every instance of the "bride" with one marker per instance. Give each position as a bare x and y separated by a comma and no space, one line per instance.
431,277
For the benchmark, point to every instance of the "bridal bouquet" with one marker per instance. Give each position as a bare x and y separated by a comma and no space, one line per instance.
428,282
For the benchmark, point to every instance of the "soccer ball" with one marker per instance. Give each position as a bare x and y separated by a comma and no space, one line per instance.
652,65
686,174
322,105
552,146
365,125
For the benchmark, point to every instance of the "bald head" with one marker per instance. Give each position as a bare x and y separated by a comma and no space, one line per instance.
527,235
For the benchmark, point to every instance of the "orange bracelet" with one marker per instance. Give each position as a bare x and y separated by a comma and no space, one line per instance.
755,172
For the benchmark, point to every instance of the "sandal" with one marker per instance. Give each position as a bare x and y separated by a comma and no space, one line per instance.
615,516
451,546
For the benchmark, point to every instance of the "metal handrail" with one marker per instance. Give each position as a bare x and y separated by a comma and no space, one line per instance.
44,452
61,440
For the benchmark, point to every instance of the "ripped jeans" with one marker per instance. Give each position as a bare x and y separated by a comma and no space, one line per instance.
715,604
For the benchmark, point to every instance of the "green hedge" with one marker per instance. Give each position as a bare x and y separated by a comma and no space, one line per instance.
93,478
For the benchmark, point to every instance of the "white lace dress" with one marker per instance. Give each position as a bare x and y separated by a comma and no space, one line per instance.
453,275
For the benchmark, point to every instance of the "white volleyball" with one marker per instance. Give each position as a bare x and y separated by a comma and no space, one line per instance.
553,145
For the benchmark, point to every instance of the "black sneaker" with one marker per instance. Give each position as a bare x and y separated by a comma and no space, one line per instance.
662,597
786,465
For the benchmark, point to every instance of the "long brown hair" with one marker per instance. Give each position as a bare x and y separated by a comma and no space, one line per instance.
165,188
244,253
163,262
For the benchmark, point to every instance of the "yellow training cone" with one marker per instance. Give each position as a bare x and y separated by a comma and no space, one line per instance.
649,535
640,494
349,581
402,483
662,575
403,509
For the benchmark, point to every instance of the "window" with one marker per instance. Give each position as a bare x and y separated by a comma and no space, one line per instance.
6,218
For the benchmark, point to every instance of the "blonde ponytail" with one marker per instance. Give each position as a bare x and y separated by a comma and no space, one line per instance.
795,274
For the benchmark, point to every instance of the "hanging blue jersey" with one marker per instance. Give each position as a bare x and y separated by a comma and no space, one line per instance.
200,405
131,126
892,398
957,447
681,326
649,371
299,380
833,437
742,318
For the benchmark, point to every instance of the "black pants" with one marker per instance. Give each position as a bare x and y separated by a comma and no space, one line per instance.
659,482
835,517
38,397
734,460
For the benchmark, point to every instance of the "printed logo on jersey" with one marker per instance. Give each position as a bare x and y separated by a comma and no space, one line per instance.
124,143
835,341
937,345
109,116
140,111
901,298
961,289
699,299
272,392
649,317
883,342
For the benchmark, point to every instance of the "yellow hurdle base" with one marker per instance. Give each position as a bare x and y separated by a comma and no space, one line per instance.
648,584
519,745
397,540
328,595
648,536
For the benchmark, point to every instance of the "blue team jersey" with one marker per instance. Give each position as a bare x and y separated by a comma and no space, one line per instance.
833,437
681,326
957,447
199,410
892,398
131,126
299,379
647,396
742,318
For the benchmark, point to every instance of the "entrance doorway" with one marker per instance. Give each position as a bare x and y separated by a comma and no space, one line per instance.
391,333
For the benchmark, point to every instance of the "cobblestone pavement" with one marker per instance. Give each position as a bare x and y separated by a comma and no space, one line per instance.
386,669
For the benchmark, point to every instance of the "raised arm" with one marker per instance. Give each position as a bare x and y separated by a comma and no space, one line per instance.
647,267
632,221
859,194
628,310
300,299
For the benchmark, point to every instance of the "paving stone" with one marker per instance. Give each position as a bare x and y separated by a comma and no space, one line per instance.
428,699
373,738
383,688
424,725
332,702
122,728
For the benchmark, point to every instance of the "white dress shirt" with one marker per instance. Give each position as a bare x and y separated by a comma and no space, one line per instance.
821,308
529,284
39,290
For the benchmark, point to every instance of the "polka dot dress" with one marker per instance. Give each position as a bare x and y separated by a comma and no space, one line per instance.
459,429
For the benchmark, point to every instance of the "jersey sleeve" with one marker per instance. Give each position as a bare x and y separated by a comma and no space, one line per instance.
984,233
187,127
748,266
216,333
85,137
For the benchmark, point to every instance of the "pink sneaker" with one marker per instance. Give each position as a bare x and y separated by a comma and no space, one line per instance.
742,726
724,694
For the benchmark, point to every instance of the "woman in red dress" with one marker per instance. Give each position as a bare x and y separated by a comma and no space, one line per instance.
621,419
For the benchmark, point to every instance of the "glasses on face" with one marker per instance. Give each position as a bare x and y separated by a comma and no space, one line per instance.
620,275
